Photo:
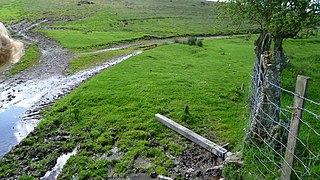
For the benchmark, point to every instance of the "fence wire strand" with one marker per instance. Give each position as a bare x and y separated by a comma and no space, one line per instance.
298,95
307,153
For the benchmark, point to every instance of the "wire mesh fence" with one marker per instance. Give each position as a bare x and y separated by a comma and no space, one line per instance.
269,145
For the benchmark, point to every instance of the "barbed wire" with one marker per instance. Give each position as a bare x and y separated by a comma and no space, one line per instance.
306,154
276,152
288,91
285,126
306,110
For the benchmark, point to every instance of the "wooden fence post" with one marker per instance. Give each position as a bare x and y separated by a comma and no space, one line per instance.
298,104
196,138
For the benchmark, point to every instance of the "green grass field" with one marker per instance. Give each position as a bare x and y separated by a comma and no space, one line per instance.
79,41
105,23
117,107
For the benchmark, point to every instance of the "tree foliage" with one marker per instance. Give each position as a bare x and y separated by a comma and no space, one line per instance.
285,18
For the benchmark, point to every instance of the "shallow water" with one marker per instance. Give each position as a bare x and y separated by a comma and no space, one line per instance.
57,169
9,120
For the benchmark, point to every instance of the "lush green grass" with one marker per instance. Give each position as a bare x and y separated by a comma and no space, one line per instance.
9,11
85,41
109,22
89,60
117,108
16,10
305,60
30,58
158,18
150,18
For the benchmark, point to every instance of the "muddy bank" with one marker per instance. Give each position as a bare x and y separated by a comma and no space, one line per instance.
45,146
193,163
197,163
22,91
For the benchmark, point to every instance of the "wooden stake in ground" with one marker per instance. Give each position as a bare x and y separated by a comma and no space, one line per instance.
298,104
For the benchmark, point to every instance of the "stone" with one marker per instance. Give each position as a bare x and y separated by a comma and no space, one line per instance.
160,177
190,170
153,174
142,162
85,2
215,171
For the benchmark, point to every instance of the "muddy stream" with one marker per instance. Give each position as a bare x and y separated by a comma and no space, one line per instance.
25,94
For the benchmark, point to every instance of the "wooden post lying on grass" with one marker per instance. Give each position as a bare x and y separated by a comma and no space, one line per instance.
298,104
205,143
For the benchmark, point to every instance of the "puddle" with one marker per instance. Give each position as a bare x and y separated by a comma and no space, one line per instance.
142,162
8,121
115,154
57,169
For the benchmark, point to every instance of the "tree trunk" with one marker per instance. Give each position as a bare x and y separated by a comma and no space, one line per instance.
265,98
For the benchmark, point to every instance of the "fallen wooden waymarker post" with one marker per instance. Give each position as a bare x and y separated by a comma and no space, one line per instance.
203,142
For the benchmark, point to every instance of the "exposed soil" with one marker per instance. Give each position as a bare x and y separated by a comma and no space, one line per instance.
42,84
197,163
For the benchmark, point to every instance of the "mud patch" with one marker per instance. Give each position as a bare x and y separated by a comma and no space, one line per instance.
196,163
140,176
